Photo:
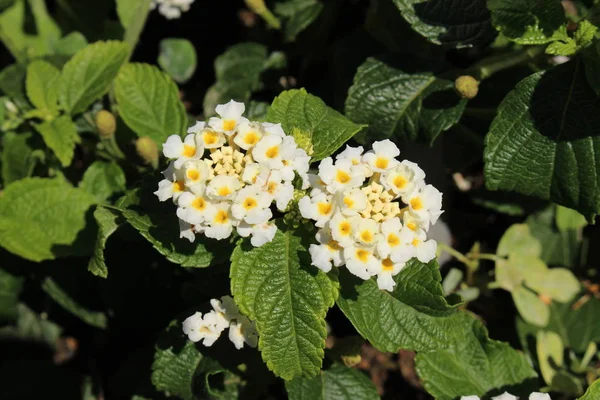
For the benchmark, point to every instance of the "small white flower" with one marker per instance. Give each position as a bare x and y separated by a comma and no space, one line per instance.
327,252
403,178
184,150
220,222
299,162
273,129
251,204
367,232
360,261
385,275
261,233
343,228
248,134
223,187
282,192
226,310
425,250
382,157
195,173
319,208
193,208
505,396
210,138
252,172
341,175
268,152
426,203
231,117
352,201
317,185
539,396
354,154
170,189
191,326
390,240
243,331
411,221
205,329
186,230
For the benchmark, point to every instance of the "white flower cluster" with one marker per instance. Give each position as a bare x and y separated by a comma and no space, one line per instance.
249,165
508,396
225,314
171,9
374,212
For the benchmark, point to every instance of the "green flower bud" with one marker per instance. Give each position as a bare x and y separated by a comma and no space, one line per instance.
106,124
303,140
147,150
466,86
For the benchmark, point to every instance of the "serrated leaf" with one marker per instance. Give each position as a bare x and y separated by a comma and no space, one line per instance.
31,327
40,218
328,128
41,85
10,289
177,58
298,15
108,221
550,354
149,102
173,371
414,316
157,222
593,392
103,180
446,22
60,135
58,294
558,247
18,157
402,105
89,74
275,286
527,21
472,365
338,382
567,219
559,135
530,306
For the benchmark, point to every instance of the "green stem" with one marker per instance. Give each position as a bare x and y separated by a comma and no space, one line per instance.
455,253
259,7
492,257
489,66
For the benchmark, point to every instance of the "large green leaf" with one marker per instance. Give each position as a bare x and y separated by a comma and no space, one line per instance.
298,15
103,180
149,102
275,286
10,289
298,109
593,391
414,316
402,105
545,140
18,157
459,23
338,382
89,74
177,58
527,21
108,221
472,365
60,135
41,85
40,218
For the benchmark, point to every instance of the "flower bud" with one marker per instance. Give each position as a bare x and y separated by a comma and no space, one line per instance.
106,124
466,86
147,150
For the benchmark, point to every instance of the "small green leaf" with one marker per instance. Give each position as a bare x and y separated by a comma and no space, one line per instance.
18,156
530,306
108,221
414,316
558,247
89,74
550,354
328,128
402,105
508,275
178,59
12,83
173,370
58,294
518,240
10,289
71,44
60,135
567,219
298,15
275,286
40,218
576,323
560,135
32,327
41,85
338,382
149,102
557,283
593,392
103,180
126,11
473,364
562,44
527,21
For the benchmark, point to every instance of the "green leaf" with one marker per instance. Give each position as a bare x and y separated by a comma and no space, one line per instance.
472,365
60,135
446,22
576,326
402,105
338,382
298,109
10,289
108,222
298,15
550,354
103,180
31,327
518,240
12,83
18,157
58,294
530,306
567,219
40,218
89,74
41,85
558,247
527,21
593,391
414,316
4,4
126,10
275,286
149,102
178,59
557,283
157,222
560,135
71,44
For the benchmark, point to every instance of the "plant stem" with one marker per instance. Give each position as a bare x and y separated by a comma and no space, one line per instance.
259,7
455,253
486,256
489,66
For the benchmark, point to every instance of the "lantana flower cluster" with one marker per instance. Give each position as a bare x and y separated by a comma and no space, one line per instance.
225,314
508,396
171,9
373,212
226,173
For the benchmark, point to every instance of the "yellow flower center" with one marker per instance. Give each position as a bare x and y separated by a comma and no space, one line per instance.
348,202
393,240
228,124
178,186
210,137
381,163
345,228
416,242
332,245
199,204
188,150
272,152
412,226
387,265
342,176
251,138
221,217
250,203
224,191
324,208
272,187
400,181
193,175
362,255
366,236
416,203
